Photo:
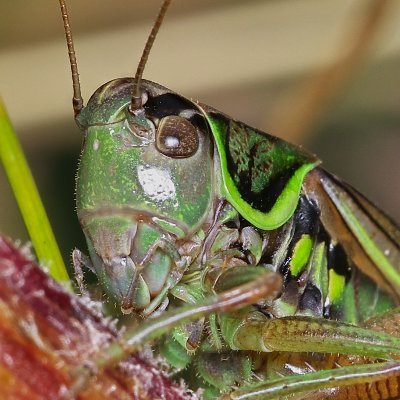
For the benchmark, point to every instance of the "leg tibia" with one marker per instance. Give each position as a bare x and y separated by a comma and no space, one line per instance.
345,376
266,286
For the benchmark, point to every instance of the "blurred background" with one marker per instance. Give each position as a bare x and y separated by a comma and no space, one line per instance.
321,73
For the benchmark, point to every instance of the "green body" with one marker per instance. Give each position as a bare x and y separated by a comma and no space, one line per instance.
179,202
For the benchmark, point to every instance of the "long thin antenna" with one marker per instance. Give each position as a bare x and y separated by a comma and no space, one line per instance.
136,102
77,100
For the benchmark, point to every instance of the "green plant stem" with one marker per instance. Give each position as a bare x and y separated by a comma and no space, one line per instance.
29,202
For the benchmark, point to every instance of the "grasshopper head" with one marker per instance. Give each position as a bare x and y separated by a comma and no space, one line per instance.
145,179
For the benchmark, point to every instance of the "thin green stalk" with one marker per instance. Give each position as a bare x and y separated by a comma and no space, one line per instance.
29,202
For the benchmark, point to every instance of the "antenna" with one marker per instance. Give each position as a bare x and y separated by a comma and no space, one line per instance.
136,102
77,100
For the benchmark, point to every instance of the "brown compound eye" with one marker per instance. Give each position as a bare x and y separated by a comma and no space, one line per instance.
176,137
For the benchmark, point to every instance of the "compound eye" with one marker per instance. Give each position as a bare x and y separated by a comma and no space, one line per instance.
176,137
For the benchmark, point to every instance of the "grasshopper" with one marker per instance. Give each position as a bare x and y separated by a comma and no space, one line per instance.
246,258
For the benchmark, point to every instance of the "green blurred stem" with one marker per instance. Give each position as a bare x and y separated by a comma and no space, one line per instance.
28,199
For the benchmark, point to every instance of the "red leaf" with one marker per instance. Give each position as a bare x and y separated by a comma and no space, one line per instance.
45,332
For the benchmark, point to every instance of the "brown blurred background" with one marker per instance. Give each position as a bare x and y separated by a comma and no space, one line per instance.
252,59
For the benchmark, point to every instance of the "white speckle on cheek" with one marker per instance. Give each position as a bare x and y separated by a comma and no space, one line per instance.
96,144
156,183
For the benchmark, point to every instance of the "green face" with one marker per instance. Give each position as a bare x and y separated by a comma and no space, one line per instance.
144,181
